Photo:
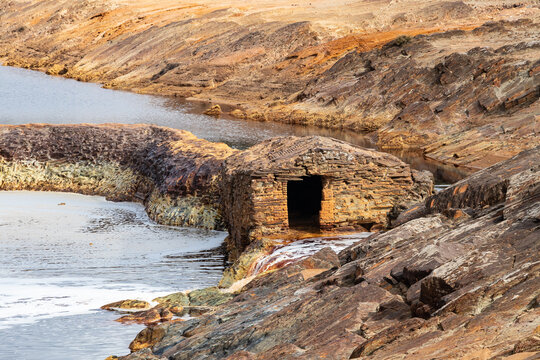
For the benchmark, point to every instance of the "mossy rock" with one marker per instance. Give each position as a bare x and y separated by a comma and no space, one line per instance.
127,304
208,297
176,299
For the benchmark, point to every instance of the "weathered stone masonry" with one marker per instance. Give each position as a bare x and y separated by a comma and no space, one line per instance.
259,193
358,188
172,172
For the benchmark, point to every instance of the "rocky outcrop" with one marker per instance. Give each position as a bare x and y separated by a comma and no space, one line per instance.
457,80
468,98
173,173
437,286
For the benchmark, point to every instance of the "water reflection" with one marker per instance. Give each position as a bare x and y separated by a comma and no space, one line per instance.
33,97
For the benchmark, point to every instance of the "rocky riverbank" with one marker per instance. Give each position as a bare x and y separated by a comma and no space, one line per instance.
457,80
172,172
458,279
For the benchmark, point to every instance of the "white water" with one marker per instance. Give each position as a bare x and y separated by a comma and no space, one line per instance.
287,253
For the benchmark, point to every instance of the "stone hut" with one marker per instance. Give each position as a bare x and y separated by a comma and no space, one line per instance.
313,182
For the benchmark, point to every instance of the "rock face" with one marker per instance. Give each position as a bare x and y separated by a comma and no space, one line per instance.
172,172
456,79
438,286
298,182
466,97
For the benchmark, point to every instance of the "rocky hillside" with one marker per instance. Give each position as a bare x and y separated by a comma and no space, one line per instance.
459,280
458,80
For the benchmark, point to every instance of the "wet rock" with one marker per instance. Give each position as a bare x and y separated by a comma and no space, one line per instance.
127,304
148,337
154,315
211,296
176,299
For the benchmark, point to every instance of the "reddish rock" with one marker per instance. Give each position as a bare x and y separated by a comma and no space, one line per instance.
155,315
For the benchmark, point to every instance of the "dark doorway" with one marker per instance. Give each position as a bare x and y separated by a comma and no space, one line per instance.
304,201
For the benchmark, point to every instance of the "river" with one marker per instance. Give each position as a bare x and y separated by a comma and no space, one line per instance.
65,255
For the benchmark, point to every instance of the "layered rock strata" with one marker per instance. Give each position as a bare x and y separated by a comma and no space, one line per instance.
173,173
458,80
460,283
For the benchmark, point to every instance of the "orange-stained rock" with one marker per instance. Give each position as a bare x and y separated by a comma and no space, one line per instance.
154,315
148,337
213,111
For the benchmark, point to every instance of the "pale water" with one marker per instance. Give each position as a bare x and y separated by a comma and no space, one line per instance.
288,252
33,97
65,255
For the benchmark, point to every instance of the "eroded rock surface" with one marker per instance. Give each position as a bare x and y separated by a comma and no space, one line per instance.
437,286
171,171
457,79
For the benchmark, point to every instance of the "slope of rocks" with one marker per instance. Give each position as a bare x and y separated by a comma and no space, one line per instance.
460,283
458,80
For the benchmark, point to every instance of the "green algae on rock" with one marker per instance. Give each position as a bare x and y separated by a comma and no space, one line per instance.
172,172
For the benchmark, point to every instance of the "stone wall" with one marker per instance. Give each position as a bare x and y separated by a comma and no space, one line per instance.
186,181
360,188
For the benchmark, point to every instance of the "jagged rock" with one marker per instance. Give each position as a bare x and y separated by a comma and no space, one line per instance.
476,291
